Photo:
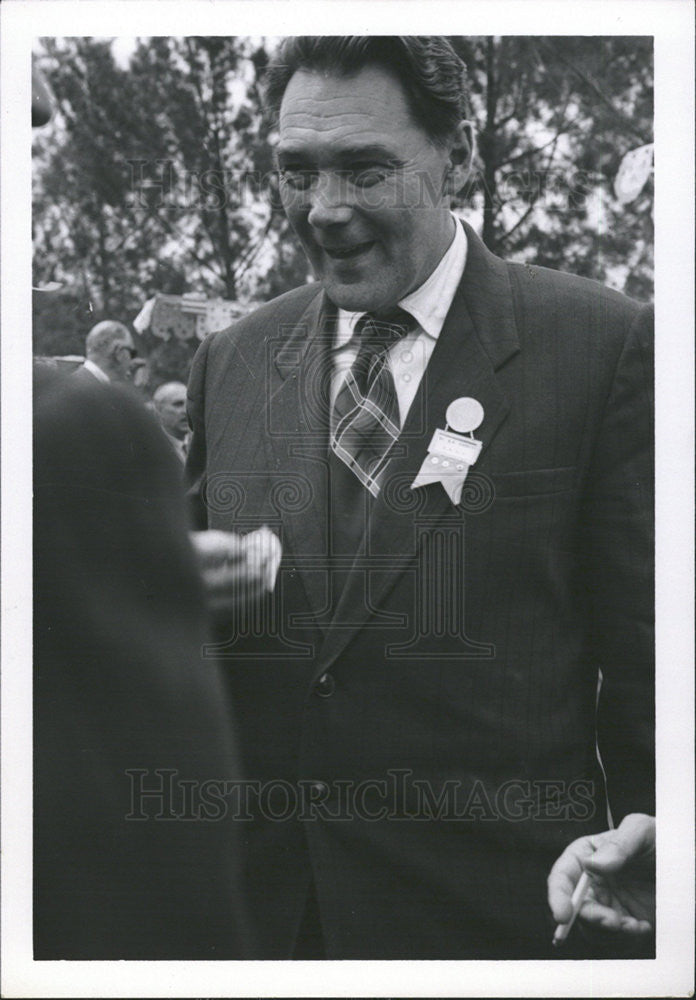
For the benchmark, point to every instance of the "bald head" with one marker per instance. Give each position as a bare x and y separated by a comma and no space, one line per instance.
104,335
170,404
110,346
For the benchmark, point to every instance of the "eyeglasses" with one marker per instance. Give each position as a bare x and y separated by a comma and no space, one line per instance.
131,350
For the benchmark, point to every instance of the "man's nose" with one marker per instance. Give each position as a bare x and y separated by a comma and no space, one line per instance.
330,202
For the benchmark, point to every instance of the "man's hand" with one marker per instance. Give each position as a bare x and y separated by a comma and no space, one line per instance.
236,569
621,864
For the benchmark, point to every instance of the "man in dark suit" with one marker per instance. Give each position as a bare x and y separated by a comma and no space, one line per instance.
452,681
109,351
169,401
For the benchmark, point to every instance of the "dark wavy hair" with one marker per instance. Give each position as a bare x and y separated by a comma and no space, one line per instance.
430,71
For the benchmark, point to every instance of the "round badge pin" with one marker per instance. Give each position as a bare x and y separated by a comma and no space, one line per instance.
464,415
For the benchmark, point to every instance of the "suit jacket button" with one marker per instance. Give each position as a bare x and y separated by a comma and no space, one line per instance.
325,686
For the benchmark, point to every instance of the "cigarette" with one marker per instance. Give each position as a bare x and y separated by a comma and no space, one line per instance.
577,899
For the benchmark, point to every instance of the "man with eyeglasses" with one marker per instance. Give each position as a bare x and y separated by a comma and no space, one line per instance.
109,353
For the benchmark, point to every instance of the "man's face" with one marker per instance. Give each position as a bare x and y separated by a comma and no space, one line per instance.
362,186
122,353
172,411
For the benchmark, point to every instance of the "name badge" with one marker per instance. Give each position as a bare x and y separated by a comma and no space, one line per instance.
450,455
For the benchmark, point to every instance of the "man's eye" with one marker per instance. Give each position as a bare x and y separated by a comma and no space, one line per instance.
298,180
367,176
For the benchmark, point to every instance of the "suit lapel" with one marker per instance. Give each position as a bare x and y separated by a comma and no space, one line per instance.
477,338
297,414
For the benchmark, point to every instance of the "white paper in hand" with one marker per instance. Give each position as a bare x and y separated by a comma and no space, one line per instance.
263,551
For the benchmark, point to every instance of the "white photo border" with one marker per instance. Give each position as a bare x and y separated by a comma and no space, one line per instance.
670,22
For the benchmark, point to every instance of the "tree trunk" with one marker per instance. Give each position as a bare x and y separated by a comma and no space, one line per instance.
488,148
103,263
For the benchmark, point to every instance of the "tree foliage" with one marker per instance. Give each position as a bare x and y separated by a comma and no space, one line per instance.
554,118
155,177
158,175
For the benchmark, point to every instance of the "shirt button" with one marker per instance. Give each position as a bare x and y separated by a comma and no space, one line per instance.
407,357
406,377
325,686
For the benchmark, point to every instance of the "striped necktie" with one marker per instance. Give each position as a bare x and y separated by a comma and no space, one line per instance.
365,417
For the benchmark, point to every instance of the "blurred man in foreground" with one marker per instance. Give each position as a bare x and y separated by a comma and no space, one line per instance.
127,706
132,860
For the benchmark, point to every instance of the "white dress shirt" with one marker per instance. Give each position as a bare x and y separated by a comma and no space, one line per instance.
180,445
96,371
429,305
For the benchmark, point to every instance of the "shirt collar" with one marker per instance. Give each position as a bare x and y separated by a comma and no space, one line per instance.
96,371
179,444
430,302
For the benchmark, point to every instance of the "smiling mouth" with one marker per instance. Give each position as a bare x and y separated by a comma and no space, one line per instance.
348,253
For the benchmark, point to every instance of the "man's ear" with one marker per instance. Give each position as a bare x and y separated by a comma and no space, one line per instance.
461,157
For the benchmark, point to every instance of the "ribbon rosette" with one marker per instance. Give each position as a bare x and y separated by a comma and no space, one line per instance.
448,461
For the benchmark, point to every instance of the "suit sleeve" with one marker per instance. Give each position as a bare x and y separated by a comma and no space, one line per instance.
617,542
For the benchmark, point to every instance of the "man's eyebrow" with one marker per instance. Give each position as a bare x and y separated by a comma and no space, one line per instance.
346,154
